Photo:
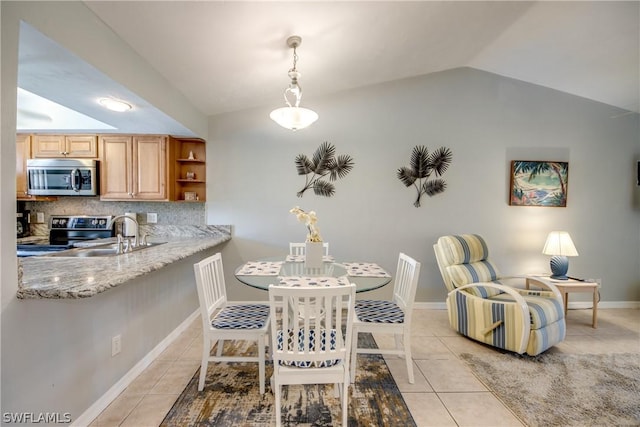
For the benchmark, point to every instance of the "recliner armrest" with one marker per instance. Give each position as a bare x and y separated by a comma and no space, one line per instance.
521,320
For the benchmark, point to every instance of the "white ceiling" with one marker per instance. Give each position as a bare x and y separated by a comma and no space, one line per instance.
231,55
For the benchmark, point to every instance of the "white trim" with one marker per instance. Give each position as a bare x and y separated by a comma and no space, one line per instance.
572,305
604,304
100,405
430,305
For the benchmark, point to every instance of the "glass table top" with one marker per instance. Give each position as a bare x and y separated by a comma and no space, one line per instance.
289,269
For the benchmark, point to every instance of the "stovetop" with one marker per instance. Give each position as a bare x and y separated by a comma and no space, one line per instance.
66,231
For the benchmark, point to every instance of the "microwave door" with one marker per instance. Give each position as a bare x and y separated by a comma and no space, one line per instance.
50,181
62,177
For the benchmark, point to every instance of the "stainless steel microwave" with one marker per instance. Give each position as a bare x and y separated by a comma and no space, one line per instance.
62,177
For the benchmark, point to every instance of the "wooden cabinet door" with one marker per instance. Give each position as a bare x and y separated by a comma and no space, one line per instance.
81,146
116,181
72,146
150,167
23,152
48,146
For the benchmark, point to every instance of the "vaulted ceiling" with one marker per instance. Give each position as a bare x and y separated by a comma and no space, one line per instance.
231,55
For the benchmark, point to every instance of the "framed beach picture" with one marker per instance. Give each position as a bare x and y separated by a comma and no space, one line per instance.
536,183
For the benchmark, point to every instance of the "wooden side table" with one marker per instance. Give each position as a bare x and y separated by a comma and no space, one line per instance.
570,285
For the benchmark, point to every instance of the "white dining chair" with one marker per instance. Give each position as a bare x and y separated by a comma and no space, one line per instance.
300,248
223,321
389,317
311,332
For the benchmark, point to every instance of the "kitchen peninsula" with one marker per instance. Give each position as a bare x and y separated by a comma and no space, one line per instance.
66,314
61,277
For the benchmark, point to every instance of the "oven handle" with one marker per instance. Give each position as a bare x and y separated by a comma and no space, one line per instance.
73,180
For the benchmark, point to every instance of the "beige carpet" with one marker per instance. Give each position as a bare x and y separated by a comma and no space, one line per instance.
564,390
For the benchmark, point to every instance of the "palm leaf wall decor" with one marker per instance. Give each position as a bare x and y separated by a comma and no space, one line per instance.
323,163
421,166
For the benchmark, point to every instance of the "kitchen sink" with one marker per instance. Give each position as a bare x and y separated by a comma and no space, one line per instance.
109,249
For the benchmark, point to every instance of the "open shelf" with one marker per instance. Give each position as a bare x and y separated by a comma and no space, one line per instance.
189,156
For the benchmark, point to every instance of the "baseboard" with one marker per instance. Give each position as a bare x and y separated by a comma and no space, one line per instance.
101,404
604,304
572,305
430,305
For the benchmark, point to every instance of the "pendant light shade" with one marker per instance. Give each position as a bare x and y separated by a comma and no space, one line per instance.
293,116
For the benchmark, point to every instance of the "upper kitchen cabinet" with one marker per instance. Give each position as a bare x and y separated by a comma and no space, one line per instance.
23,152
133,167
71,146
189,169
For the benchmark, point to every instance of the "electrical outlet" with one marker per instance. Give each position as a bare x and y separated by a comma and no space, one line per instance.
152,218
116,345
40,217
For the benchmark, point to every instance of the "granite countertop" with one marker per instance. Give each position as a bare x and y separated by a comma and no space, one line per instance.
54,277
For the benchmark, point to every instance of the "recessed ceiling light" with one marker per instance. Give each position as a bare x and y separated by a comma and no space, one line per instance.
114,104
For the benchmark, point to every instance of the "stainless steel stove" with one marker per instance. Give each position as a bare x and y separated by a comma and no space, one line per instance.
65,231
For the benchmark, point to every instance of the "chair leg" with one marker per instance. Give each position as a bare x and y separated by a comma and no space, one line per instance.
206,349
345,403
278,404
354,354
407,355
261,343
220,346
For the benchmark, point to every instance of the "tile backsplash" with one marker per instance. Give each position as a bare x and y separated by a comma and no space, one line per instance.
173,213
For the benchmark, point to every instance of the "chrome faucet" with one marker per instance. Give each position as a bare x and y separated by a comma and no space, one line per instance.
130,245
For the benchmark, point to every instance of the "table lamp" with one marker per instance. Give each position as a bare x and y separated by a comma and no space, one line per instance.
560,246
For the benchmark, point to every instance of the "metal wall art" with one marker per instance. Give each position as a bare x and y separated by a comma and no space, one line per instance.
324,162
422,166
535,183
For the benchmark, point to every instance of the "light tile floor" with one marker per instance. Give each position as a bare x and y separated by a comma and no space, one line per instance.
445,392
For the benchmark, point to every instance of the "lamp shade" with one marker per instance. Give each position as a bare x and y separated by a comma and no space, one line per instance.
293,118
559,243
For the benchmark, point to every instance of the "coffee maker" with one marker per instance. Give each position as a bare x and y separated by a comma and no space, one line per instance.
22,221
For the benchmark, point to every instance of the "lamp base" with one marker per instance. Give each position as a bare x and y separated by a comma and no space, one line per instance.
559,267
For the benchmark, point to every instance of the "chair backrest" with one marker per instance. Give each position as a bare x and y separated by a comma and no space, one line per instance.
211,288
464,259
300,248
311,326
406,283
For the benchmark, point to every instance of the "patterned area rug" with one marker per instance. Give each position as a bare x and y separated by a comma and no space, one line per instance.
231,398
555,389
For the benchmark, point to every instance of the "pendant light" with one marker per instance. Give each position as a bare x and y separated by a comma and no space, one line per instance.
293,116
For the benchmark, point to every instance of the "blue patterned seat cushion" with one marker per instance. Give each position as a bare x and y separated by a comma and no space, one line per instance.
379,311
312,345
249,316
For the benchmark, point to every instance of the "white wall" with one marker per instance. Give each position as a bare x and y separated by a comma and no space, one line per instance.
487,121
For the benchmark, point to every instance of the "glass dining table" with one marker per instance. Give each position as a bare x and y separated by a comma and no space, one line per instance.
291,270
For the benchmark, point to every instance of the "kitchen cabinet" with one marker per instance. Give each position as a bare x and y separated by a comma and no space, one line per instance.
133,167
23,152
189,169
60,146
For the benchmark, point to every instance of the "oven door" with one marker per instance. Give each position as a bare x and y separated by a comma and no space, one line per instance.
62,177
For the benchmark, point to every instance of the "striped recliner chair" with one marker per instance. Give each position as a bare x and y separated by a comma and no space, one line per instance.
482,305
